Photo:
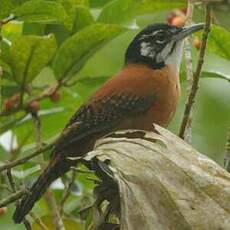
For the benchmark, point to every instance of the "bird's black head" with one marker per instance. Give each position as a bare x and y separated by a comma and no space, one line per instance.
158,45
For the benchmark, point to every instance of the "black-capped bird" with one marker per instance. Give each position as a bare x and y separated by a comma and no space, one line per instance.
145,91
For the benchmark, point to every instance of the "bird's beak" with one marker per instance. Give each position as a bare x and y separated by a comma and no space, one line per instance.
186,31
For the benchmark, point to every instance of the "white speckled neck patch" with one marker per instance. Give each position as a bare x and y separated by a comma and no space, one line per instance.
147,50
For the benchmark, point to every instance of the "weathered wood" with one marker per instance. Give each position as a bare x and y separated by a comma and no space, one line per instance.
165,183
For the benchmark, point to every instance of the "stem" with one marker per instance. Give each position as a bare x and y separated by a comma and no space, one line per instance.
45,94
37,123
189,66
6,20
57,217
41,150
196,76
13,197
67,191
38,221
25,159
227,155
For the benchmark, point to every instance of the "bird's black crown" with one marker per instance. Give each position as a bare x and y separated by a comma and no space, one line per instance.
159,44
150,42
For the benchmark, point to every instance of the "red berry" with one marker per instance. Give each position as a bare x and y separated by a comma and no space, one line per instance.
172,17
55,97
8,105
3,211
184,10
34,106
12,102
179,21
15,98
197,43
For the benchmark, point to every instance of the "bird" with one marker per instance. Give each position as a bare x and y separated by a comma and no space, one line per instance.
145,91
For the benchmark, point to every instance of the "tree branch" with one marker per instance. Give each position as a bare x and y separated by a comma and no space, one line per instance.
44,94
13,197
41,150
25,159
13,187
6,20
196,76
67,191
52,203
227,155
38,221
189,66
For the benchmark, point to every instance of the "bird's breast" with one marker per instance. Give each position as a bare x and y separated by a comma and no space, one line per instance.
164,83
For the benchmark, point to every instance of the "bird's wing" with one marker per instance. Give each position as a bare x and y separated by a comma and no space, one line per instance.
103,114
100,115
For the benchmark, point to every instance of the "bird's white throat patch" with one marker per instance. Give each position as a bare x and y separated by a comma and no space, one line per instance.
171,54
174,58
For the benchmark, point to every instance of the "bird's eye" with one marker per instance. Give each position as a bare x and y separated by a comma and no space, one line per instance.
161,38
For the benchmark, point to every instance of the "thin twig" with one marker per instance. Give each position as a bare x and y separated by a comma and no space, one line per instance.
6,20
38,221
189,66
13,197
11,181
25,75
17,203
1,74
25,159
196,76
41,150
52,203
49,195
37,124
227,155
67,191
45,94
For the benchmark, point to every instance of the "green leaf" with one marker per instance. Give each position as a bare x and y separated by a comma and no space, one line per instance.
30,54
222,15
219,41
149,6
69,7
88,85
78,12
5,8
33,28
83,18
74,3
12,30
76,50
5,68
70,224
120,11
48,12
61,32
79,2
8,89
216,67
22,174
5,52
98,4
